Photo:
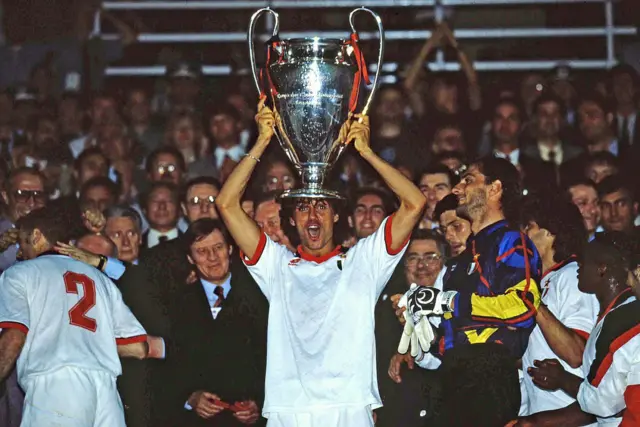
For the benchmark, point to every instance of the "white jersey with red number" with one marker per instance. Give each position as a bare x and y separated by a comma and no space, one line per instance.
611,365
72,313
321,344
575,310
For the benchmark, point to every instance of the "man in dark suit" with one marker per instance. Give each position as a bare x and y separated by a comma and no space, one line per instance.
221,335
162,208
624,86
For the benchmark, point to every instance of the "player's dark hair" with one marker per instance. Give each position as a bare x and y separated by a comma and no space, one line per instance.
59,221
340,228
481,387
562,219
173,189
167,149
201,180
613,249
201,228
388,203
99,181
498,169
86,153
627,244
436,168
612,184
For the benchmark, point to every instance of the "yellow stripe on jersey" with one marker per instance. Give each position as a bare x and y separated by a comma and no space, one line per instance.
474,338
510,307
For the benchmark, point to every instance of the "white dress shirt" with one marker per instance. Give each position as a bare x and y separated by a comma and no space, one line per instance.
153,238
235,153
545,150
512,157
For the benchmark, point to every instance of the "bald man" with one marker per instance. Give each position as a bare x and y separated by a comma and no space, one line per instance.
98,244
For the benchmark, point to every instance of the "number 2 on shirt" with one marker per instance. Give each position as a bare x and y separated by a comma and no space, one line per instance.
77,314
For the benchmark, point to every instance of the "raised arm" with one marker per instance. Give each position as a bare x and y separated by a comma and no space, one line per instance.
473,87
243,229
412,201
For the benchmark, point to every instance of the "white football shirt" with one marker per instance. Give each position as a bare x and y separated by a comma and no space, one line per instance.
575,310
73,315
321,343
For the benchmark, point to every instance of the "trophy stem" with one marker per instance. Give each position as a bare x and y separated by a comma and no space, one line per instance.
312,176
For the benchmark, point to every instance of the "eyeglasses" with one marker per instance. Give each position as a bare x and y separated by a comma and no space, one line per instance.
170,168
427,259
201,201
23,196
287,179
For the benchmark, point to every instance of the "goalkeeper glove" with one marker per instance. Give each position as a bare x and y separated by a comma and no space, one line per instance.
425,301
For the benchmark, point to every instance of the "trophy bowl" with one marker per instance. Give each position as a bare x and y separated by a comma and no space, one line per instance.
314,86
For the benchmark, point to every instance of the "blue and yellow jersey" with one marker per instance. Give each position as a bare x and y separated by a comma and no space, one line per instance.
497,280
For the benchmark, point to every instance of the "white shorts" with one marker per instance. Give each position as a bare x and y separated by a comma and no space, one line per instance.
331,417
72,397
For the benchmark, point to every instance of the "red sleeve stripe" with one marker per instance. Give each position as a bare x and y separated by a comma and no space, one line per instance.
131,340
257,254
14,325
388,238
583,334
616,345
631,415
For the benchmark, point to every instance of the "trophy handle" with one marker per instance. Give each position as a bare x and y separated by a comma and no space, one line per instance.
374,89
250,33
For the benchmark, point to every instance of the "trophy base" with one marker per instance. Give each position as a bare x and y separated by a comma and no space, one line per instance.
311,193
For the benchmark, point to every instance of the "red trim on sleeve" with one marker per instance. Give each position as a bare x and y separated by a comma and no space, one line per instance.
131,340
631,416
257,254
14,325
583,334
615,346
388,238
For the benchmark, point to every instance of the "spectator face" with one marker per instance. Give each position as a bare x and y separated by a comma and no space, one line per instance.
594,125
125,235
69,115
166,168
624,90
541,238
596,172
200,202
423,262
314,221
240,103
445,96
91,167
506,124
390,105
564,90
456,231
27,193
549,120
448,139
98,245
162,210
435,187
453,163
279,177
138,107
585,198
211,257
98,197
368,215
618,211
184,134
224,128
103,109
45,130
248,208
267,216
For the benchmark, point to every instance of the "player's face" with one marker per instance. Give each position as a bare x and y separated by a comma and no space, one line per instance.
124,234
423,262
162,209
588,273
456,231
434,187
585,198
368,215
211,256
28,245
471,192
314,219
200,202
26,194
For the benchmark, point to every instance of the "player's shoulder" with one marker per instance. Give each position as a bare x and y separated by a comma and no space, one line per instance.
515,248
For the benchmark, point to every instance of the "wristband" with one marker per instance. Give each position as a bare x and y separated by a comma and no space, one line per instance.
102,263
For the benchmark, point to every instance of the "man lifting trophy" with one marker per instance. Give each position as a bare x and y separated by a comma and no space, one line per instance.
321,367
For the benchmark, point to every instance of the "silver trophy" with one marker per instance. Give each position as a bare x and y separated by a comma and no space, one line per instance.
314,86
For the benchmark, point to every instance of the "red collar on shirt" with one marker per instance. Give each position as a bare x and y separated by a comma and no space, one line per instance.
559,265
318,259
